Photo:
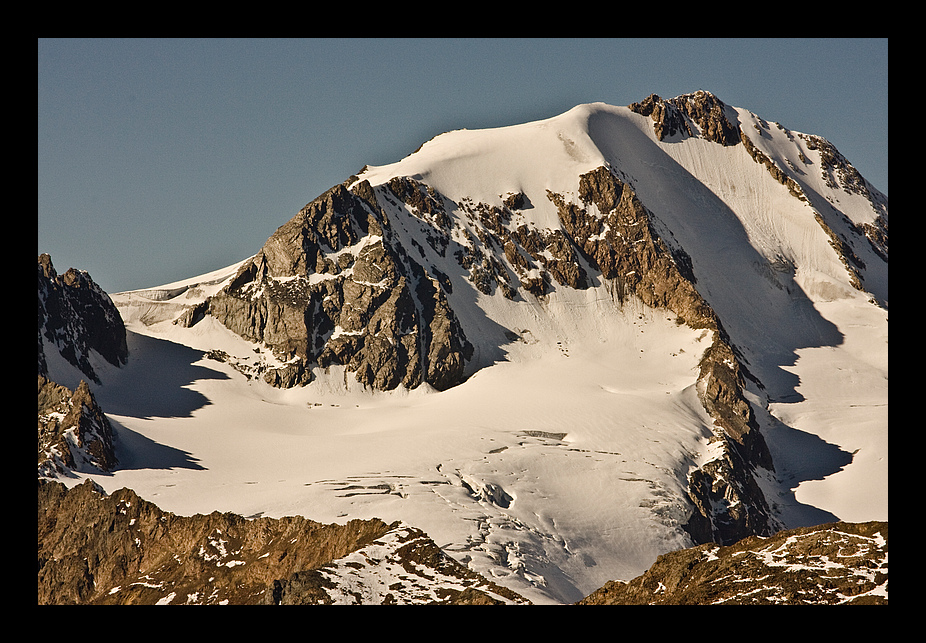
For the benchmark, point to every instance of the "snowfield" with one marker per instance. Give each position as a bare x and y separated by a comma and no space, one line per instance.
562,461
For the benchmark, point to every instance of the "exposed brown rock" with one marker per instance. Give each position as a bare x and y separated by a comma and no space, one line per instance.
622,243
515,201
630,254
707,111
667,120
837,563
316,296
672,116
876,233
95,548
73,432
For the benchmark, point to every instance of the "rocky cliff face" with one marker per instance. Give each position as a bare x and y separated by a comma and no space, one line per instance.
75,318
73,432
328,288
120,549
699,114
834,564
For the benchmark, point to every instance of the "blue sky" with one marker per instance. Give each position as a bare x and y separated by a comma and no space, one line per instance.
163,159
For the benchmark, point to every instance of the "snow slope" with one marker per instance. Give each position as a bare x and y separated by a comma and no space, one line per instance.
561,462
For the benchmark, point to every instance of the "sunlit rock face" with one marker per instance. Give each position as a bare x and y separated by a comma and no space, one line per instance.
833,564
331,287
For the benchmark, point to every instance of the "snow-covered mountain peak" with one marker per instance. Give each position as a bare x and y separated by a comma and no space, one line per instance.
629,314
485,165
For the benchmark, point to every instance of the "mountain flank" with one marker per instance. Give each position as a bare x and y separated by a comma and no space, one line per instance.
337,286
95,548
611,234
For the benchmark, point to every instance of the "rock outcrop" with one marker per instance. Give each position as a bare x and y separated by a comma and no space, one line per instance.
75,318
73,433
329,288
95,548
729,502
834,564
617,237
402,567
680,116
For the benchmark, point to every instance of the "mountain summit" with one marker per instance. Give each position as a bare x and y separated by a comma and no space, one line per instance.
363,276
684,254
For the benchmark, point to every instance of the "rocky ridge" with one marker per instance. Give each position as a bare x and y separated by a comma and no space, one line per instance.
833,564
95,548
698,114
621,241
74,434
102,549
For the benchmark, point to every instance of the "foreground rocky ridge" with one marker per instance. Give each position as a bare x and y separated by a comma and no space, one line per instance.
834,564
97,549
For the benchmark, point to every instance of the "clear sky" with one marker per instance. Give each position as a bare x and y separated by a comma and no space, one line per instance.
164,159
